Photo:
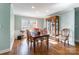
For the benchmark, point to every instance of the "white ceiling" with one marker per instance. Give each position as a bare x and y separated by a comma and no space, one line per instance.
40,10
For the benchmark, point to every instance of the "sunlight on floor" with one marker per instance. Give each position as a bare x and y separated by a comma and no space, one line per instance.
53,41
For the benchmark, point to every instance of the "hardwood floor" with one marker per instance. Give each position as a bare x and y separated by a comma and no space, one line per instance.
21,47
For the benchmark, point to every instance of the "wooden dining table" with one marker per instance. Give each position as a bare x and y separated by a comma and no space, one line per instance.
41,38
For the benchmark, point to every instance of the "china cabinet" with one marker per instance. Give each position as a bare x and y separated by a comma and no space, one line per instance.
53,26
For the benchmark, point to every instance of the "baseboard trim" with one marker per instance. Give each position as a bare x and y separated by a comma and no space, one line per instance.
4,51
76,40
12,44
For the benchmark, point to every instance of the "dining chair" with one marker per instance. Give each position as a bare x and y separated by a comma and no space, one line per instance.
64,36
27,33
30,36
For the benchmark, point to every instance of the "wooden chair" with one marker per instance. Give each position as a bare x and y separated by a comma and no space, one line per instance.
27,32
64,35
29,37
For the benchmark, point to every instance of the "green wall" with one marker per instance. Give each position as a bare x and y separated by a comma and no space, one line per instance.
77,24
4,26
17,22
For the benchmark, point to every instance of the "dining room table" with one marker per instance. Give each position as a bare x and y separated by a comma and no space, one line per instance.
38,36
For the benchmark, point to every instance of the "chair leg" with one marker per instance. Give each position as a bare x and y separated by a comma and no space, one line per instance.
68,42
28,42
58,39
41,43
61,41
64,42
37,43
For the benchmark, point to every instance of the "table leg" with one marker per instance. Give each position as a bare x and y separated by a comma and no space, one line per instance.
47,43
34,45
